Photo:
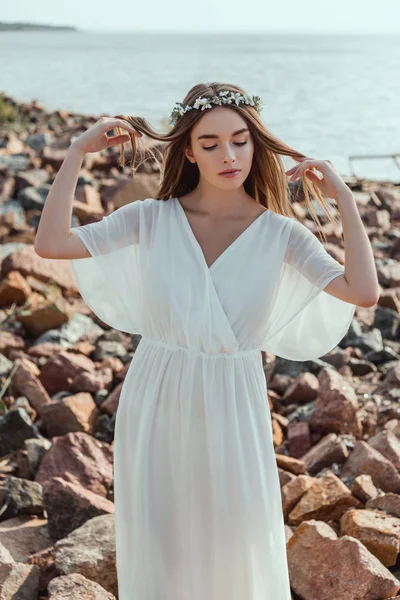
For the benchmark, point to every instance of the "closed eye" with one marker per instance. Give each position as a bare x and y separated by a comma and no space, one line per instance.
236,144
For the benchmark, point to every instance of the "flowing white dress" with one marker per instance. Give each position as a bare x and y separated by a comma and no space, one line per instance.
198,512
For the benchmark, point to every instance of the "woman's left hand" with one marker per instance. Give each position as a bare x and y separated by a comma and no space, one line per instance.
330,185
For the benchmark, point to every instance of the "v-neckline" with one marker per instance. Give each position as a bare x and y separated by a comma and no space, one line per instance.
228,249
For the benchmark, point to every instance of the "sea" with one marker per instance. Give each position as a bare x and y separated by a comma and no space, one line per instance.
329,96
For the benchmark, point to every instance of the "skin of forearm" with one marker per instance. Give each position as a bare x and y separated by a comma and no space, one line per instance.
360,270
55,220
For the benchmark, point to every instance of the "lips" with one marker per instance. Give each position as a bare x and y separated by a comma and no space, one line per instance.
230,171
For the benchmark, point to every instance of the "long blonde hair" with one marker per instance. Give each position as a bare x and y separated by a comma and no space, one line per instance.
266,182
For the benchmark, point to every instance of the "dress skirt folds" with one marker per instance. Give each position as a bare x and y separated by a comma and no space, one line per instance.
198,513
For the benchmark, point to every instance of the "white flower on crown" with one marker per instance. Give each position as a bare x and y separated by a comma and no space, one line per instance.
223,97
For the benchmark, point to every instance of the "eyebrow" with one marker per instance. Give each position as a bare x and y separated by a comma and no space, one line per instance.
211,136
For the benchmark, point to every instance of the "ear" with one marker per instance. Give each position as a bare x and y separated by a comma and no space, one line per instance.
189,155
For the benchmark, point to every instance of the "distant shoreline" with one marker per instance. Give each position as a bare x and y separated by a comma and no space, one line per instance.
34,27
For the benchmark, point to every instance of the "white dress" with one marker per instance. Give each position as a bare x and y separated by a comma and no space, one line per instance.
198,512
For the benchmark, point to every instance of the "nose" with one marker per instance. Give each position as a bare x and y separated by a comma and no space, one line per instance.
229,155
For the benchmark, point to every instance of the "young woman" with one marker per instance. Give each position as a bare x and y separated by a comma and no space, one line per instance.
210,272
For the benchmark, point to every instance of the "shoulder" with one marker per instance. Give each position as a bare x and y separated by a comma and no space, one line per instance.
146,206
280,222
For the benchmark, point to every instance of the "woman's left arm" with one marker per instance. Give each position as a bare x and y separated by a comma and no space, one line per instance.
359,284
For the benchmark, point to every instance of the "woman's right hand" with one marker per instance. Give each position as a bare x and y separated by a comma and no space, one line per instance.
95,138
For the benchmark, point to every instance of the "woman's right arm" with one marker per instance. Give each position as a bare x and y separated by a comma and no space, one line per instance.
53,237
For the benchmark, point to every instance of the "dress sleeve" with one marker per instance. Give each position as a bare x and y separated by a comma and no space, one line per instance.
306,322
109,281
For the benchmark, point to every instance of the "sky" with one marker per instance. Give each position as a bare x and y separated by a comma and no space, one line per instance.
258,16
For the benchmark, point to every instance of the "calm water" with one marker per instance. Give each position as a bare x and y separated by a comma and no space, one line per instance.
327,96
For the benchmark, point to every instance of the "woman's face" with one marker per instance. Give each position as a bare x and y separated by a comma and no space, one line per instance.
218,143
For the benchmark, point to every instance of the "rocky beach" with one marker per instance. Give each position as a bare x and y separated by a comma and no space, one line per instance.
336,420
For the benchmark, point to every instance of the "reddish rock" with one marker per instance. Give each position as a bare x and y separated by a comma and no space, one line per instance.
363,488
10,341
27,262
93,381
71,413
325,567
366,460
290,464
336,410
299,439
14,288
284,477
330,449
304,389
59,372
387,443
380,533
292,491
389,503
79,458
25,382
327,499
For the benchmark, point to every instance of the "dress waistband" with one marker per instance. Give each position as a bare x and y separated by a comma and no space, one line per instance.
163,344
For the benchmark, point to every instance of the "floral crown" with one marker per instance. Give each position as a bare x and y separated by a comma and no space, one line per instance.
224,97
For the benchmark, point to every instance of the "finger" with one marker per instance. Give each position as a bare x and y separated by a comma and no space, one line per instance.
118,139
109,123
131,131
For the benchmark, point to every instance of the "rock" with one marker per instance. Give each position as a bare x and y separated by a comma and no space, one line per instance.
47,315
14,288
36,449
5,366
336,409
69,505
23,536
366,460
285,476
27,262
90,551
26,382
21,497
290,464
15,428
330,449
31,197
110,404
292,491
37,141
32,178
18,581
387,444
327,499
388,271
378,532
389,503
364,489
10,341
5,556
80,459
304,389
299,439
325,567
77,587
77,412
60,371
